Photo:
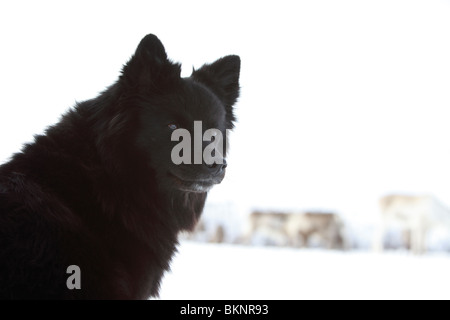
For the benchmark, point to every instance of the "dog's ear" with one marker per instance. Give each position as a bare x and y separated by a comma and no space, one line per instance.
149,66
222,78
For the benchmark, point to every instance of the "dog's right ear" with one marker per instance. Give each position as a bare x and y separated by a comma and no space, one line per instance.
222,77
149,66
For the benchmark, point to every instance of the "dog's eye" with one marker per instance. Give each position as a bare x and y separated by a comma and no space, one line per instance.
172,126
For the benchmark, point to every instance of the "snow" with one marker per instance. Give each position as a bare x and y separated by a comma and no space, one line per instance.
223,271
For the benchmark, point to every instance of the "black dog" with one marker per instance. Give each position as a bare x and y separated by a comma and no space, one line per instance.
99,190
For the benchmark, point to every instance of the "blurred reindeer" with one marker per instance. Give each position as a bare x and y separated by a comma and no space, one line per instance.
296,229
417,215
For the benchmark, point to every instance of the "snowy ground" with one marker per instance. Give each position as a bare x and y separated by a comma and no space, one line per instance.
207,271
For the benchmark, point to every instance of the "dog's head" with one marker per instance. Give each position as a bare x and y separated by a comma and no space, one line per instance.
182,122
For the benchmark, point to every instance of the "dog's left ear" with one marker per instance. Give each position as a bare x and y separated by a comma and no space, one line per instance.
222,77
149,67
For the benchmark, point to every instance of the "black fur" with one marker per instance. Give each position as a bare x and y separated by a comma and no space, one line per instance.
99,189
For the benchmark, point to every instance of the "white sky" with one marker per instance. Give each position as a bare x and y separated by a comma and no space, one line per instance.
342,101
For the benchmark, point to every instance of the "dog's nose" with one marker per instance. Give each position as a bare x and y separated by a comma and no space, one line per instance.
217,168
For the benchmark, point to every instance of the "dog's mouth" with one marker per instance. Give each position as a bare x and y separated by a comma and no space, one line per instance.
197,185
